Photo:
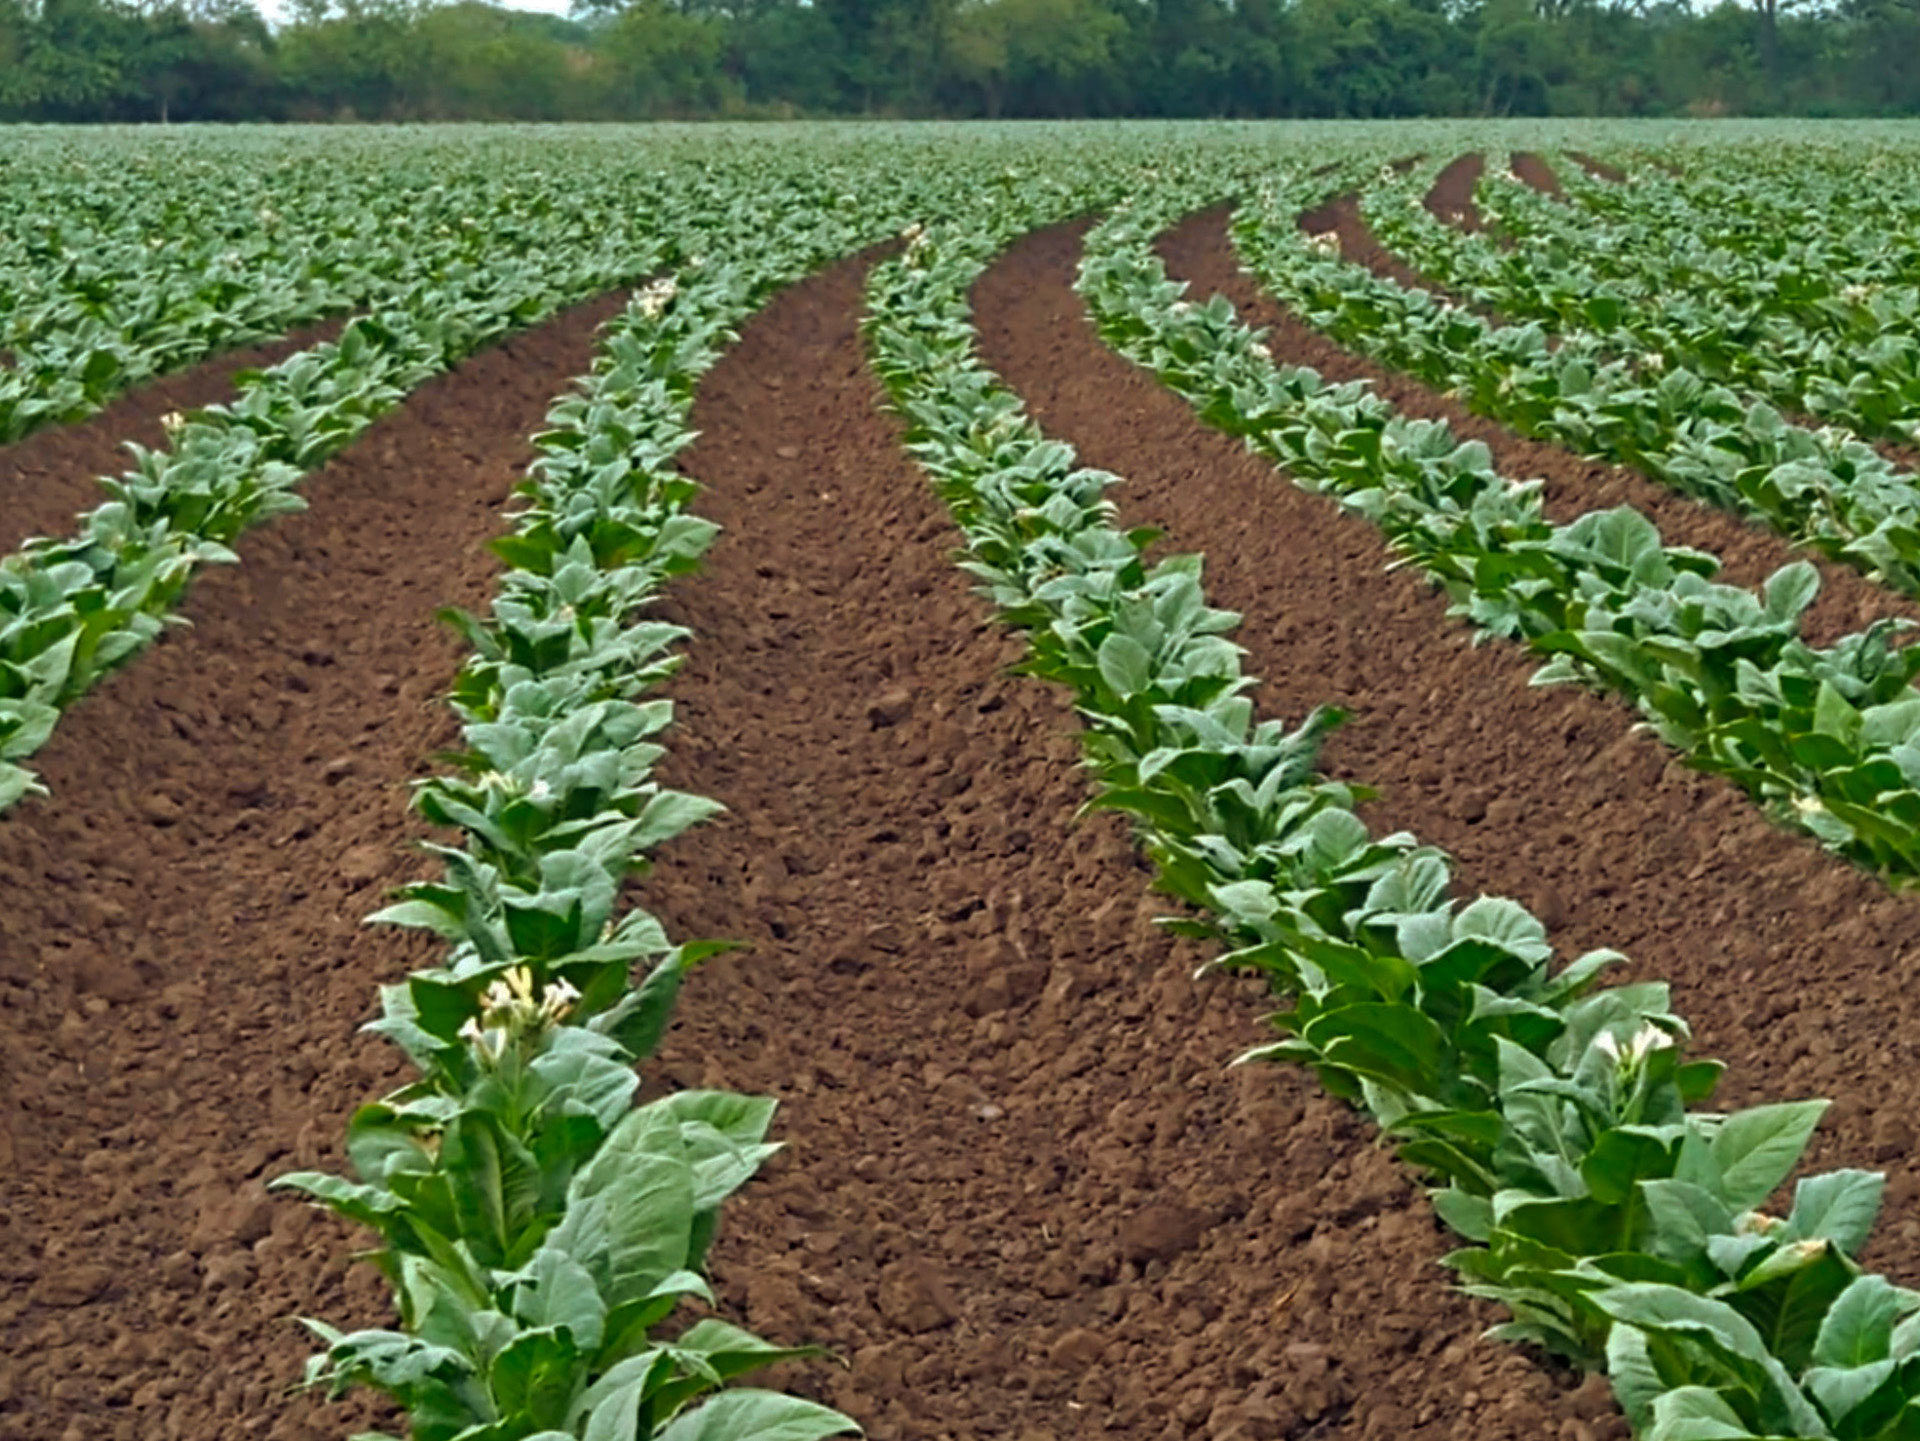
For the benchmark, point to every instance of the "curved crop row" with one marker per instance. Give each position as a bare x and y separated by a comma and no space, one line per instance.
1824,489
1616,1225
536,1225
72,609
1837,348
1822,738
119,268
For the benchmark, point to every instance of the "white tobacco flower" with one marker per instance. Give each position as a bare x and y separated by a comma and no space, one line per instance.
1654,360
1648,1039
913,232
653,300
173,422
557,1004
1325,242
1856,294
488,1043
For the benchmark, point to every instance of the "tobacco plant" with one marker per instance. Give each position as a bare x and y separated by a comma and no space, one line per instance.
537,1227
1821,737
1586,388
1557,1121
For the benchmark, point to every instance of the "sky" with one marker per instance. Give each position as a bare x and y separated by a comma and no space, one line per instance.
275,11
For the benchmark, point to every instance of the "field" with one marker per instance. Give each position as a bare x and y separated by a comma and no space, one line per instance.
554,679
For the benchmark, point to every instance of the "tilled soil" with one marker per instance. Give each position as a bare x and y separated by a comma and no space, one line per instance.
1023,1196
1789,964
1534,170
1451,198
1199,251
53,475
182,966
1599,169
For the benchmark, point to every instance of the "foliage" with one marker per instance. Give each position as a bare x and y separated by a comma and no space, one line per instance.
536,1226
1620,1226
1359,59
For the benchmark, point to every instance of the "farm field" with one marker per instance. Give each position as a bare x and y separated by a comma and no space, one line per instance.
853,670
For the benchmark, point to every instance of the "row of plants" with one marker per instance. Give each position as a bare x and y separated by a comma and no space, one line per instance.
113,272
1755,212
1822,737
1619,1227
74,608
540,1230
595,212
1823,343
1822,488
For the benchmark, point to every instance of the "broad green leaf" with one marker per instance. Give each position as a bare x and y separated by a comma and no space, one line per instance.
758,1416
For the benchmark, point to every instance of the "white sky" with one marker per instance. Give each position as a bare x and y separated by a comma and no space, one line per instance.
275,11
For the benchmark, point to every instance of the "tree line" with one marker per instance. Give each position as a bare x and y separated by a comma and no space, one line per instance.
81,60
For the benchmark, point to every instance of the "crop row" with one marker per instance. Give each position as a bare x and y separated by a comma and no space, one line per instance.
1618,1226
537,1226
116,268
1821,737
1826,489
1833,342
73,609
1754,214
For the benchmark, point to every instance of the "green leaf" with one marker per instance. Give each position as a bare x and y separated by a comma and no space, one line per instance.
1840,1206
535,1376
1623,1158
1753,1150
1858,1327
1125,665
629,1216
759,1416
555,1290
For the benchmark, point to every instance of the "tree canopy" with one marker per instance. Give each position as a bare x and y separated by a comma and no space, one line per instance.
71,60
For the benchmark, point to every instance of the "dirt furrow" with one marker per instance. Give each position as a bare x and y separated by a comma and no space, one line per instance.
1023,1197
1451,198
1199,251
1789,964
1532,169
52,475
182,966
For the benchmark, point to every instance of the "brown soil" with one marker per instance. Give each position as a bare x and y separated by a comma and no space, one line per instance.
1023,1197
1599,169
182,965
53,475
1789,964
1451,198
1536,172
1199,251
